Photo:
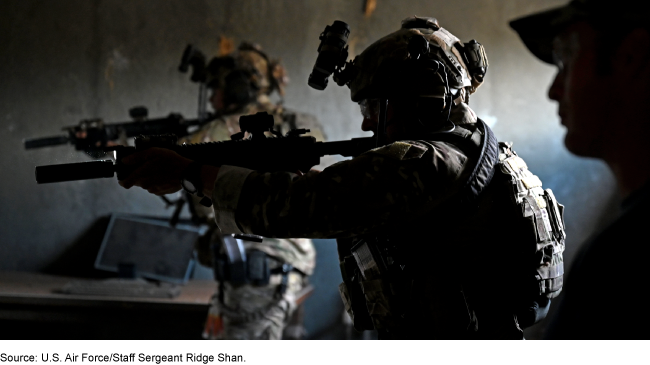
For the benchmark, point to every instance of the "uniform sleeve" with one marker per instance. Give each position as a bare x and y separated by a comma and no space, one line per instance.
399,181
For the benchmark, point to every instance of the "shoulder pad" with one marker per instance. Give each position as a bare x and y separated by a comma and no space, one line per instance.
401,150
466,137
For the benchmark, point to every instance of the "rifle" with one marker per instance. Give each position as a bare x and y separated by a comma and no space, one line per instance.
291,152
97,133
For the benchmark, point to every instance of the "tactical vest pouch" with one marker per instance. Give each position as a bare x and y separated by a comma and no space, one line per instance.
352,295
258,268
368,260
378,290
554,274
379,302
540,207
234,265
238,267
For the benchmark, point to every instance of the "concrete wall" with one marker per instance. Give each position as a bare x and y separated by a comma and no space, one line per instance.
68,60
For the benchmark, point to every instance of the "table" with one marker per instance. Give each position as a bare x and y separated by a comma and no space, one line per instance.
31,309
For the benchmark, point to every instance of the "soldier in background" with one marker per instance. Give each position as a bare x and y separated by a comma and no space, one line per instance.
602,52
443,233
241,84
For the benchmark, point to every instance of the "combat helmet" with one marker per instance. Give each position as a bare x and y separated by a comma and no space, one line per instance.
538,30
246,74
407,63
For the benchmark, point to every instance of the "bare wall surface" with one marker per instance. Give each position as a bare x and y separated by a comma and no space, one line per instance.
64,61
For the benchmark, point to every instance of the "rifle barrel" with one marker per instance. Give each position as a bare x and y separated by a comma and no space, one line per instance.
174,123
46,141
74,171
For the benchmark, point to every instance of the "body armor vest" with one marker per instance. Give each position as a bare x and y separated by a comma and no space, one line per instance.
391,283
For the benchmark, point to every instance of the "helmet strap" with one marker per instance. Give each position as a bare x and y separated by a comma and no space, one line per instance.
381,125
203,101
449,100
439,123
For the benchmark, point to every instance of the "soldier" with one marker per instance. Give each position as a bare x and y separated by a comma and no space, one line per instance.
241,83
443,233
602,51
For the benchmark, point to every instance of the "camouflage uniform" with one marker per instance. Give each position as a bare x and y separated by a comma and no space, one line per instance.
456,257
250,311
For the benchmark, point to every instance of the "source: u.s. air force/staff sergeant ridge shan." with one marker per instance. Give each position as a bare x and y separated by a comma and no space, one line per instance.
116,357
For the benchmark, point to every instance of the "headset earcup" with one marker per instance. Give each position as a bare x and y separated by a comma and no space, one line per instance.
240,88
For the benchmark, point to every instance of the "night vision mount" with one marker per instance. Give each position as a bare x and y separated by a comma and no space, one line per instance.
193,57
332,57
